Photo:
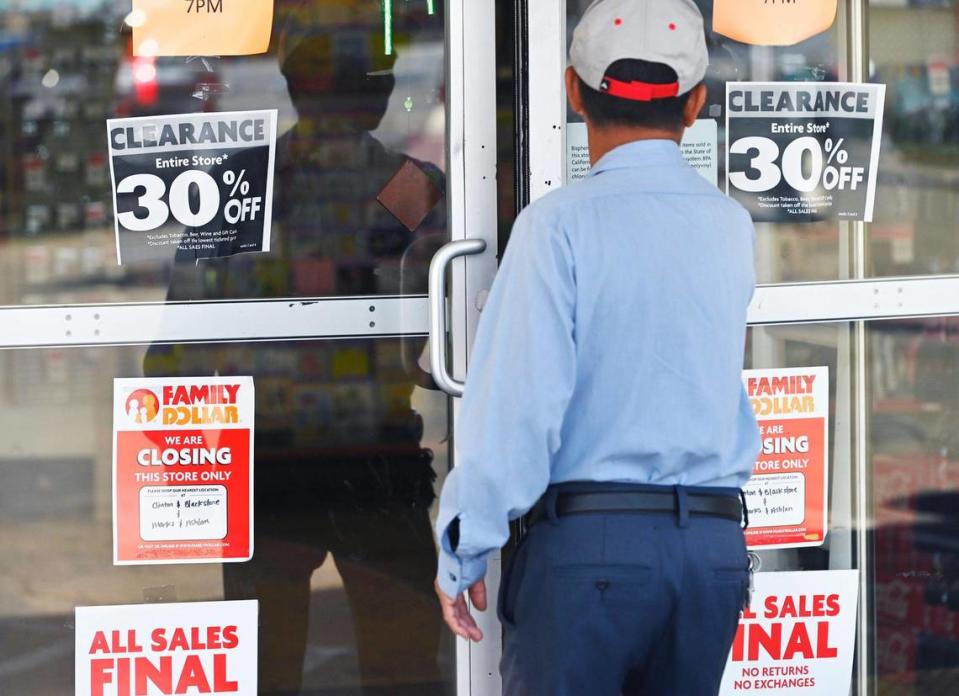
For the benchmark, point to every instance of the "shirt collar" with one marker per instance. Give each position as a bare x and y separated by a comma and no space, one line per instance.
639,153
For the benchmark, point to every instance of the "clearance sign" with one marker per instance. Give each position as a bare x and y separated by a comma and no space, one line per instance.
798,636
182,470
151,649
786,496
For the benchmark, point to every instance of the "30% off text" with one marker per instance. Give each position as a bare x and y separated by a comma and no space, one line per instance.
194,200
806,164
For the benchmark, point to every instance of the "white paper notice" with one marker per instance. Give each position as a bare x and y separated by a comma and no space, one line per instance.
787,494
188,648
182,512
183,470
779,499
577,152
797,638
699,150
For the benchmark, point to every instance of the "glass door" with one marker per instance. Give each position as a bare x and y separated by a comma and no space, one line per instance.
868,304
189,199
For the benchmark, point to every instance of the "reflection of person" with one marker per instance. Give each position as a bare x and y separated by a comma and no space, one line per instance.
340,470
635,434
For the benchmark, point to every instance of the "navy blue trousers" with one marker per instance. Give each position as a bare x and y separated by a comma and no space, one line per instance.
622,603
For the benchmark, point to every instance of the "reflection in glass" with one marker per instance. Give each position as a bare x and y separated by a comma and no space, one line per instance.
349,436
784,252
913,50
347,454
352,116
912,477
914,461
817,345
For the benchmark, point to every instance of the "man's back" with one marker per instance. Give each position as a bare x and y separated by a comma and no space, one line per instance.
620,306
663,273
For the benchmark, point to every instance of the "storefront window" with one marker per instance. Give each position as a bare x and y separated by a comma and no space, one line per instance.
358,202
774,350
913,50
909,540
810,251
350,437
352,440
887,415
349,455
915,479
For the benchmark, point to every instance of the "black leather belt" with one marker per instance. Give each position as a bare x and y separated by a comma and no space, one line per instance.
725,506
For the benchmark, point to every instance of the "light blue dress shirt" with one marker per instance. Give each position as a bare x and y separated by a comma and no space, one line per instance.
610,349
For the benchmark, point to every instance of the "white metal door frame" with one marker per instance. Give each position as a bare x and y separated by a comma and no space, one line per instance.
471,105
213,321
372,317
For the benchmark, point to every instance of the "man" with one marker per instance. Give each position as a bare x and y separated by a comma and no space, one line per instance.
605,384
341,472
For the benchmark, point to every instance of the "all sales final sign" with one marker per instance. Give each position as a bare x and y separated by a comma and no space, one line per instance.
183,470
154,649
798,636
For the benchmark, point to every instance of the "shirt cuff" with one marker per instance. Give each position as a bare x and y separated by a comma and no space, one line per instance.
456,574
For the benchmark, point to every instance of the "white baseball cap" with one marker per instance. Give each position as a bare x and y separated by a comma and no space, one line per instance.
657,31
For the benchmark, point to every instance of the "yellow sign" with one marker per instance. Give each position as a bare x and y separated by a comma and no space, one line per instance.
772,22
200,27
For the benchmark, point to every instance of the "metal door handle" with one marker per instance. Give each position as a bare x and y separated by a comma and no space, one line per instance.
437,302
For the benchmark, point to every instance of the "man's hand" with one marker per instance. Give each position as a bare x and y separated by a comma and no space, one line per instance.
457,614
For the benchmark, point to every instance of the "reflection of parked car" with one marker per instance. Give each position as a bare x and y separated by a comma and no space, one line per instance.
915,464
145,86
917,391
922,102
917,578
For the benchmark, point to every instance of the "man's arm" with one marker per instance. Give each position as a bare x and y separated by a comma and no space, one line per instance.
521,377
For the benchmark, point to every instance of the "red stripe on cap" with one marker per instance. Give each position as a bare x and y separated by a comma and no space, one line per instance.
639,91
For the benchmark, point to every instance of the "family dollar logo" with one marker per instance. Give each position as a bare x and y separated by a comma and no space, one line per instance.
201,404
142,406
782,396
